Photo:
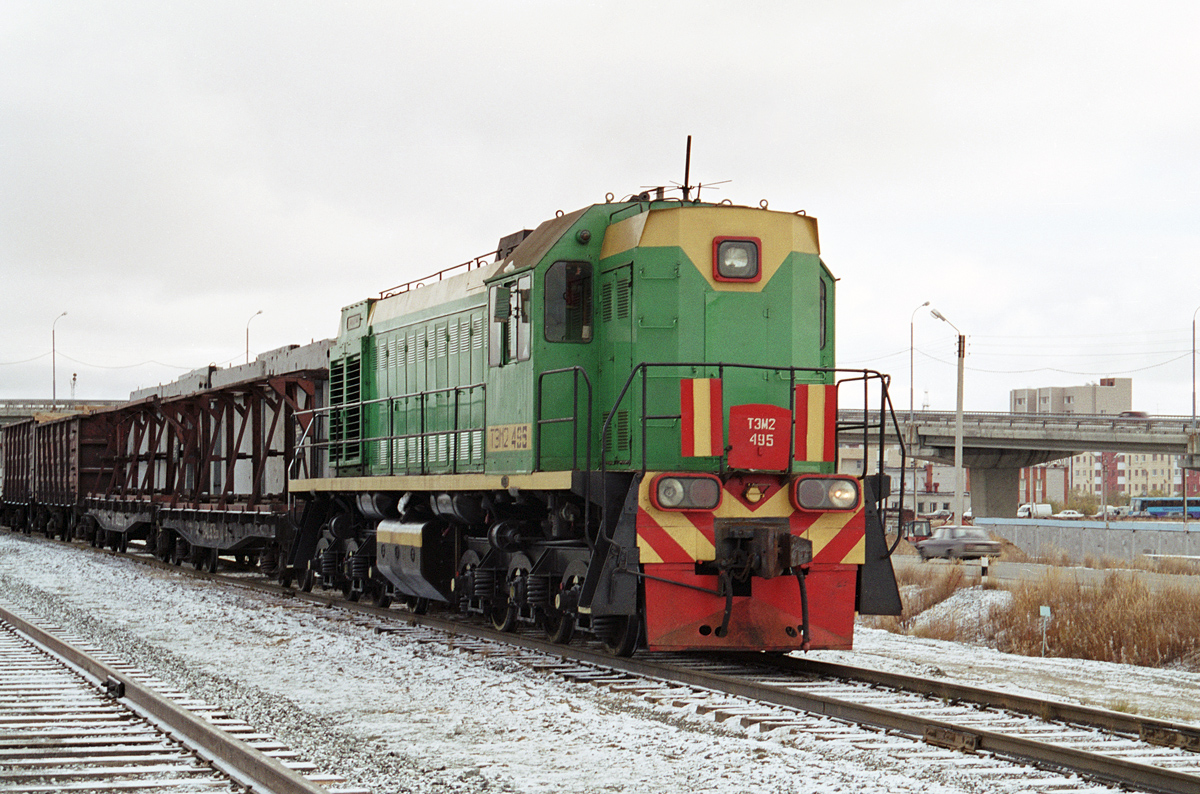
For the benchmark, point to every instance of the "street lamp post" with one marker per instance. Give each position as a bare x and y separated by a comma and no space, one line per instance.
958,418
54,362
248,334
911,378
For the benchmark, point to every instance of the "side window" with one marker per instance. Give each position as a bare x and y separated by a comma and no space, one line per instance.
824,314
508,309
568,307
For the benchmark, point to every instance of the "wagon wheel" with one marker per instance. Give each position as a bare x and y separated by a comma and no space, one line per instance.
417,605
210,561
179,551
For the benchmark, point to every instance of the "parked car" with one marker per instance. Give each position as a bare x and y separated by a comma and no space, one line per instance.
958,543
1068,514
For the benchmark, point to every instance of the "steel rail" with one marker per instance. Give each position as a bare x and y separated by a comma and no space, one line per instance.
1095,765
1146,728
231,755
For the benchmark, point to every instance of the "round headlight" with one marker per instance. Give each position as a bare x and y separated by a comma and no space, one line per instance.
842,494
704,493
811,493
670,492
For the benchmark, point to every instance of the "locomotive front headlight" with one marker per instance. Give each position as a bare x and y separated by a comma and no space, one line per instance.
842,494
686,492
825,493
735,260
670,492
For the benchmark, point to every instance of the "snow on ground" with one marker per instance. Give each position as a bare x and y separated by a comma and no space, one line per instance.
400,717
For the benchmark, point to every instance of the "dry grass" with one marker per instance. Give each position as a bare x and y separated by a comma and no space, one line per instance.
1122,621
921,587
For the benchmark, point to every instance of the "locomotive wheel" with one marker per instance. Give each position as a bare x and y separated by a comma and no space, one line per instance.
620,634
308,579
380,597
559,626
504,615
350,591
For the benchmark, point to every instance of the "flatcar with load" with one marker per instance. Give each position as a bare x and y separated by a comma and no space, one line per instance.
626,424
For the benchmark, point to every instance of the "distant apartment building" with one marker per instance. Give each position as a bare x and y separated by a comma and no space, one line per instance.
1109,396
1106,475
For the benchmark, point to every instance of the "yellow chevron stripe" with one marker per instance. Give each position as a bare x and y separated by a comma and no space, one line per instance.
779,505
858,554
647,552
826,528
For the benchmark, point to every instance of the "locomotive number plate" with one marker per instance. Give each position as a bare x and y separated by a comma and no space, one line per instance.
508,438
759,436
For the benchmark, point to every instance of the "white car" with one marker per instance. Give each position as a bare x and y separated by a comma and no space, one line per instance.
1068,514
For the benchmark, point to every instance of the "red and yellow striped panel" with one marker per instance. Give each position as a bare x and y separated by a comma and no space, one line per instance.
667,536
703,430
816,422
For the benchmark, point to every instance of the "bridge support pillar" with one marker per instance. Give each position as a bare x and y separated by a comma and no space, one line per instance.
995,492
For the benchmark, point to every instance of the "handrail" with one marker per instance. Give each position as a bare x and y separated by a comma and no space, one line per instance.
433,278
316,414
643,368
576,371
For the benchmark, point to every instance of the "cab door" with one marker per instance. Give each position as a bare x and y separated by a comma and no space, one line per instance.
509,412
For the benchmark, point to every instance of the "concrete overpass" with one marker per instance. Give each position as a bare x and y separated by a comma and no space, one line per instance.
996,446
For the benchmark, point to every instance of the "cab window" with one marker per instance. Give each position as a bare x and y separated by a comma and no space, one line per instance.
568,291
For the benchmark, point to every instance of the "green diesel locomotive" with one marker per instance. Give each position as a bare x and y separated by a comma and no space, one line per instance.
626,424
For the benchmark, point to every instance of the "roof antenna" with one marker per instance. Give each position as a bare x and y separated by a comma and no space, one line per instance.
687,170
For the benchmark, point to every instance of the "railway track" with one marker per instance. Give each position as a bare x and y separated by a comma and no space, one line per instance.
72,720
1009,741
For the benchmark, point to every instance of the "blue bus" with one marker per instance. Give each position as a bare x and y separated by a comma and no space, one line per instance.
1163,506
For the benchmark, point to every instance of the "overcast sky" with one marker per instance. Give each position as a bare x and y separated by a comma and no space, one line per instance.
168,169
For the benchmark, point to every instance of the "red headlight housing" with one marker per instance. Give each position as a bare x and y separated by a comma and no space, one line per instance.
824,493
686,492
737,259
